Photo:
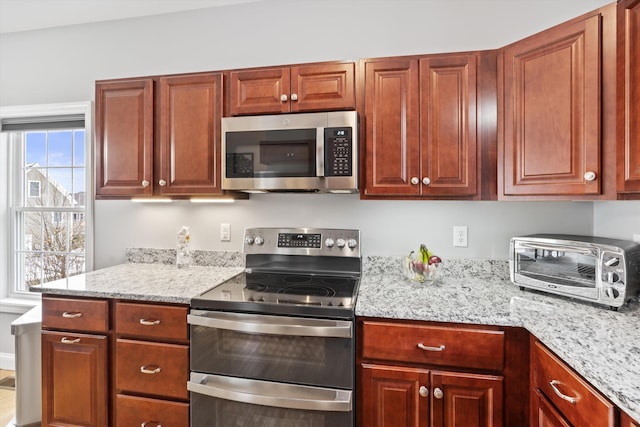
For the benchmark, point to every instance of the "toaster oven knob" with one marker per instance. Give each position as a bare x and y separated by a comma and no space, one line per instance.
352,243
612,293
248,240
329,242
612,277
341,243
259,240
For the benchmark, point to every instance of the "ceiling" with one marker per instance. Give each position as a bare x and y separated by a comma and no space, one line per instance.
24,15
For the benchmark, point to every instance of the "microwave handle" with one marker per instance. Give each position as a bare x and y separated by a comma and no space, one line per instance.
320,142
258,392
561,248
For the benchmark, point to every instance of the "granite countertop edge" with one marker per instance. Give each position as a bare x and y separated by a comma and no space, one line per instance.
601,345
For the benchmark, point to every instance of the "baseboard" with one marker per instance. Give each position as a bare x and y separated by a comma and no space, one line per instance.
8,361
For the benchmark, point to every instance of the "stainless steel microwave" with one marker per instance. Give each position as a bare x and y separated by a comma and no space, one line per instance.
314,152
597,269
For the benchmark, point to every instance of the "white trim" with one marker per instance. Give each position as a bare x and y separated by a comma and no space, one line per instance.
19,305
25,111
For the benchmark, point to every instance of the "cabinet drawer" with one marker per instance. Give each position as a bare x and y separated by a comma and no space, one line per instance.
556,379
75,314
151,321
434,345
142,411
152,368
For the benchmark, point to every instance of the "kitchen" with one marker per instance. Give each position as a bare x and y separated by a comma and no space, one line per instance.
115,49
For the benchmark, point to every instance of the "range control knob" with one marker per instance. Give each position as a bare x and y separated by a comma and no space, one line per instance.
259,240
341,243
352,243
329,242
248,240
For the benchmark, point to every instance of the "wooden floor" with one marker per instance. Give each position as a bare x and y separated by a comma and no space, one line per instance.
7,401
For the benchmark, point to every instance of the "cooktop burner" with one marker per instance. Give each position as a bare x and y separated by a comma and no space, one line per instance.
301,271
281,293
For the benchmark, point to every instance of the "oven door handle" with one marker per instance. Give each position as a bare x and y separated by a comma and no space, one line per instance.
273,325
279,395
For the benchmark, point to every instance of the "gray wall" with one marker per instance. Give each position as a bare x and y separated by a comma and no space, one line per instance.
61,65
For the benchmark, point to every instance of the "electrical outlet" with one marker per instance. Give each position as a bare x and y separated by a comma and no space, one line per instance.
460,235
225,232
636,238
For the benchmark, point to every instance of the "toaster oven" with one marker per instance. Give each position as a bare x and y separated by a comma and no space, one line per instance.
596,269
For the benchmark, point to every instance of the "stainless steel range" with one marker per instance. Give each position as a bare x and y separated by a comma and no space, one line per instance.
274,346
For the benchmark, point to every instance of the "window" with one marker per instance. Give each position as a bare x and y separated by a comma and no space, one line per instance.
49,197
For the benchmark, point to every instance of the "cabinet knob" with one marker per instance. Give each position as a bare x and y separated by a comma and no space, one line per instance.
294,96
162,183
283,98
437,393
145,183
590,176
423,391
415,180
426,180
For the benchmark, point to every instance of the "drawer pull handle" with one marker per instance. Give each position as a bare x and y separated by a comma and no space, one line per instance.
146,370
427,348
149,322
149,423
569,399
66,340
71,314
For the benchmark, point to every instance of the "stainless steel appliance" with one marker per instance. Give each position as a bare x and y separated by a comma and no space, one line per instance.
291,152
596,269
274,345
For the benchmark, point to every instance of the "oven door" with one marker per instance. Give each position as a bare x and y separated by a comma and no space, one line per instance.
566,269
226,401
315,352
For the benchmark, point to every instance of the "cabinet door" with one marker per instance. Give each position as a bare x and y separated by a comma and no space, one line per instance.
392,151
629,96
191,110
551,118
543,414
74,379
391,396
264,91
463,400
627,421
124,138
323,87
448,125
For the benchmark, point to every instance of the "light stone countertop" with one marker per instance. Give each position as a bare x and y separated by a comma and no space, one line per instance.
600,344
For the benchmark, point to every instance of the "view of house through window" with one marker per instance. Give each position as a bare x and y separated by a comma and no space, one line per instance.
48,205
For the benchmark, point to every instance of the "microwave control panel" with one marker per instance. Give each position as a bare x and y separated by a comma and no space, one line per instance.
338,151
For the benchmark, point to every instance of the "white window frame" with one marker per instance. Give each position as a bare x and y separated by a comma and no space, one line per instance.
11,301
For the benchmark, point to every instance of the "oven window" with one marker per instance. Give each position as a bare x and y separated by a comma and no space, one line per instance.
212,411
271,154
321,361
557,267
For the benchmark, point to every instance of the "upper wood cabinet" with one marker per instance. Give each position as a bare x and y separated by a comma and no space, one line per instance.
313,87
555,127
422,117
124,137
190,114
628,97
184,116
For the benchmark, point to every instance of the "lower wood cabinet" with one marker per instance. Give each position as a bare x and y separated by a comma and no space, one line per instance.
419,374
141,411
413,397
560,397
74,379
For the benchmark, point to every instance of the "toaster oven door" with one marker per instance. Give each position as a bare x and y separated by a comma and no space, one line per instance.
562,269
